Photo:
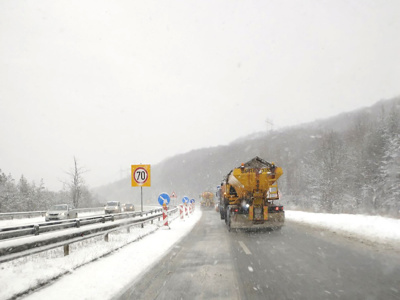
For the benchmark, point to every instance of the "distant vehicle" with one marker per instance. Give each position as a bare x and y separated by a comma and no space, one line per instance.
128,207
61,212
207,200
113,207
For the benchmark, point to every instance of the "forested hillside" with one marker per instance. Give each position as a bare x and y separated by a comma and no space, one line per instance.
352,165
349,163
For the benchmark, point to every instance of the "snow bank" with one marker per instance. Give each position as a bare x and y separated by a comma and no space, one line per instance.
374,228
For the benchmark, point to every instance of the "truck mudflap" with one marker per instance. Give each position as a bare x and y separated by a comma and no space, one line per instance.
242,221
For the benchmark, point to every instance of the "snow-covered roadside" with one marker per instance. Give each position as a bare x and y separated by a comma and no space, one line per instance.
372,228
101,279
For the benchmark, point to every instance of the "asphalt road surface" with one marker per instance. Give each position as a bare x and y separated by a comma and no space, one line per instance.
297,262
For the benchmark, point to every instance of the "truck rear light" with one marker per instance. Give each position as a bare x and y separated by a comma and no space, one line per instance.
281,208
236,210
277,208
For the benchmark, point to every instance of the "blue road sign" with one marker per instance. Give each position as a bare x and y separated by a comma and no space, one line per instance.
163,198
192,200
185,199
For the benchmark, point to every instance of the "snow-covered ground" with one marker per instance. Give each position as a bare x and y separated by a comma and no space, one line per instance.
81,276
371,228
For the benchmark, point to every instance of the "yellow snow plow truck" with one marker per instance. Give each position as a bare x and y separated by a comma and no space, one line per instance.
207,200
247,196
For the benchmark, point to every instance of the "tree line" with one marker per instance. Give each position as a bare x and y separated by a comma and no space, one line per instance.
355,170
22,195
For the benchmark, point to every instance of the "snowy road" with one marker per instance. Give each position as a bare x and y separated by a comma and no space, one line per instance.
298,262
359,261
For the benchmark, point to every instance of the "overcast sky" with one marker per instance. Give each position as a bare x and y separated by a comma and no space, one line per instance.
116,83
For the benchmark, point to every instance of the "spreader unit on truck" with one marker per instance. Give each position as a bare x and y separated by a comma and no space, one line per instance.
247,196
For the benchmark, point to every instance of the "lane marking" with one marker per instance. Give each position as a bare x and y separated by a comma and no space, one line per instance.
244,247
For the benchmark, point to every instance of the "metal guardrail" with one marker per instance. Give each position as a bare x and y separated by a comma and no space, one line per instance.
35,229
30,214
10,251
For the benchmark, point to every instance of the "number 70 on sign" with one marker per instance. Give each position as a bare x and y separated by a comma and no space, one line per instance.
140,175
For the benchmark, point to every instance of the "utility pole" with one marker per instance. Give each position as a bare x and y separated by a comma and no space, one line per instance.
269,125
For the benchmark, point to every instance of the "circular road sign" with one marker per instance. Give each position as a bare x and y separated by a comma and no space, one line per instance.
192,200
185,199
140,175
163,198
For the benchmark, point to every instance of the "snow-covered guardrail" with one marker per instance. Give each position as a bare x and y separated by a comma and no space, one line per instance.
30,214
17,248
36,229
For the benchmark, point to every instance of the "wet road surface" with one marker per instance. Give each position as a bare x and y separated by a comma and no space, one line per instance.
297,262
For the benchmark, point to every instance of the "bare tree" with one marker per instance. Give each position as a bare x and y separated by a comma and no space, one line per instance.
76,183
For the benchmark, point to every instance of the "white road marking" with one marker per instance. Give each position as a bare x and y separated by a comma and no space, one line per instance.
245,249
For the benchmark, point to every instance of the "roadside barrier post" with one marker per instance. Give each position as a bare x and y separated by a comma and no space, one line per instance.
163,200
181,211
66,250
165,215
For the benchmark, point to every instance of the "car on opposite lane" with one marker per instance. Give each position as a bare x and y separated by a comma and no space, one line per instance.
61,212
113,207
128,207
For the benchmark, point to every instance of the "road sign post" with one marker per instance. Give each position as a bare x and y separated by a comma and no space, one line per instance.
173,196
185,201
141,176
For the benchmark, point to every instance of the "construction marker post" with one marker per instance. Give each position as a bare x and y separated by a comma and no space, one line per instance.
164,199
192,205
185,201
181,211
165,215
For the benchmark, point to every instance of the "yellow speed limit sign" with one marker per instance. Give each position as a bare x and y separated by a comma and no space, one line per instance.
140,175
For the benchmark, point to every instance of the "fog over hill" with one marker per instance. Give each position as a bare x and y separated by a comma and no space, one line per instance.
329,165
